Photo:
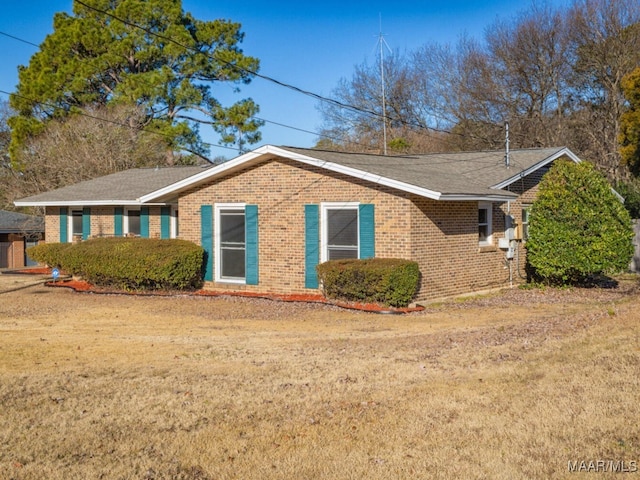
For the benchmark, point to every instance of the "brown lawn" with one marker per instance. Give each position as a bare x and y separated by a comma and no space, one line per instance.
513,385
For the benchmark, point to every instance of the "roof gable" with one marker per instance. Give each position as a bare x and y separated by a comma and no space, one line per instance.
479,176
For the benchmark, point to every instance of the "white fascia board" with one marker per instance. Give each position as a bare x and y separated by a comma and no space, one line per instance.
213,172
560,153
271,151
267,151
406,187
82,203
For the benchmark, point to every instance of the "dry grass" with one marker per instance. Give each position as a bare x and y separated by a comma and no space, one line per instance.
507,386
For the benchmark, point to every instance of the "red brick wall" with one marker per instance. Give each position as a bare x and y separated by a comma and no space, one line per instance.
445,244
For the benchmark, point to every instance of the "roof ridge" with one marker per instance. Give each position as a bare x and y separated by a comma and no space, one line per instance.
413,155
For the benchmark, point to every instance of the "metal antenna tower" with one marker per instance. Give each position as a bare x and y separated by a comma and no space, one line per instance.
507,159
382,43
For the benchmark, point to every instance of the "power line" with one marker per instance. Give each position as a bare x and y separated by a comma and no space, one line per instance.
477,156
319,97
266,77
318,134
19,39
102,119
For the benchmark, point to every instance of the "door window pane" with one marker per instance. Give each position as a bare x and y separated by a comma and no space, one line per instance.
133,221
232,244
76,222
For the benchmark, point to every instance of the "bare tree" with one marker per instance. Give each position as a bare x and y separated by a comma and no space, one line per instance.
554,74
529,63
605,36
358,126
95,143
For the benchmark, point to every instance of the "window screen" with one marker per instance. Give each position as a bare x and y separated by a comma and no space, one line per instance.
342,233
76,222
232,244
133,221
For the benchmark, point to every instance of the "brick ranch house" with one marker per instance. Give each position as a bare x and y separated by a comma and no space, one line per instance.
17,232
268,217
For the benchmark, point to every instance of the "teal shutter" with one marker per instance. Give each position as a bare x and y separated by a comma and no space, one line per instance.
86,223
64,225
206,239
118,213
366,218
144,222
165,222
311,245
251,244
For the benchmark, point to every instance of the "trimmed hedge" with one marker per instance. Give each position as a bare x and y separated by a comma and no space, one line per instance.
48,253
388,281
129,263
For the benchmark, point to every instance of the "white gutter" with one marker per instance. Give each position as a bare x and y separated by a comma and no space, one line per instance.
90,203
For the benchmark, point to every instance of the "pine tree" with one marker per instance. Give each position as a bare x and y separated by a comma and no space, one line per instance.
137,52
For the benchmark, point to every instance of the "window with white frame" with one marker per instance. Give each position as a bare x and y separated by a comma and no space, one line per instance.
174,222
484,224
526,209
132,222
230,235
339,231
75,223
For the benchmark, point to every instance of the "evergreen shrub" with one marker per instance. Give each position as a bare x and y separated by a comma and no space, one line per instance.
135,263
578,227
49,254
388,281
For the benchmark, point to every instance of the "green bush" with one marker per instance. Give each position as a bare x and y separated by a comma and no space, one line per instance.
135,263
49,254
388,281
578,228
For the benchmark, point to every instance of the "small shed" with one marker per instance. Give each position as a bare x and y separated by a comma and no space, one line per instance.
17,232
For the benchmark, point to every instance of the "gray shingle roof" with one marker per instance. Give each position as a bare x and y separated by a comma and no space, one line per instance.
118,188
458,173
14,222
446,176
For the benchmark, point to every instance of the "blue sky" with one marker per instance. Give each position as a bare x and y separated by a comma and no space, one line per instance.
310,45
